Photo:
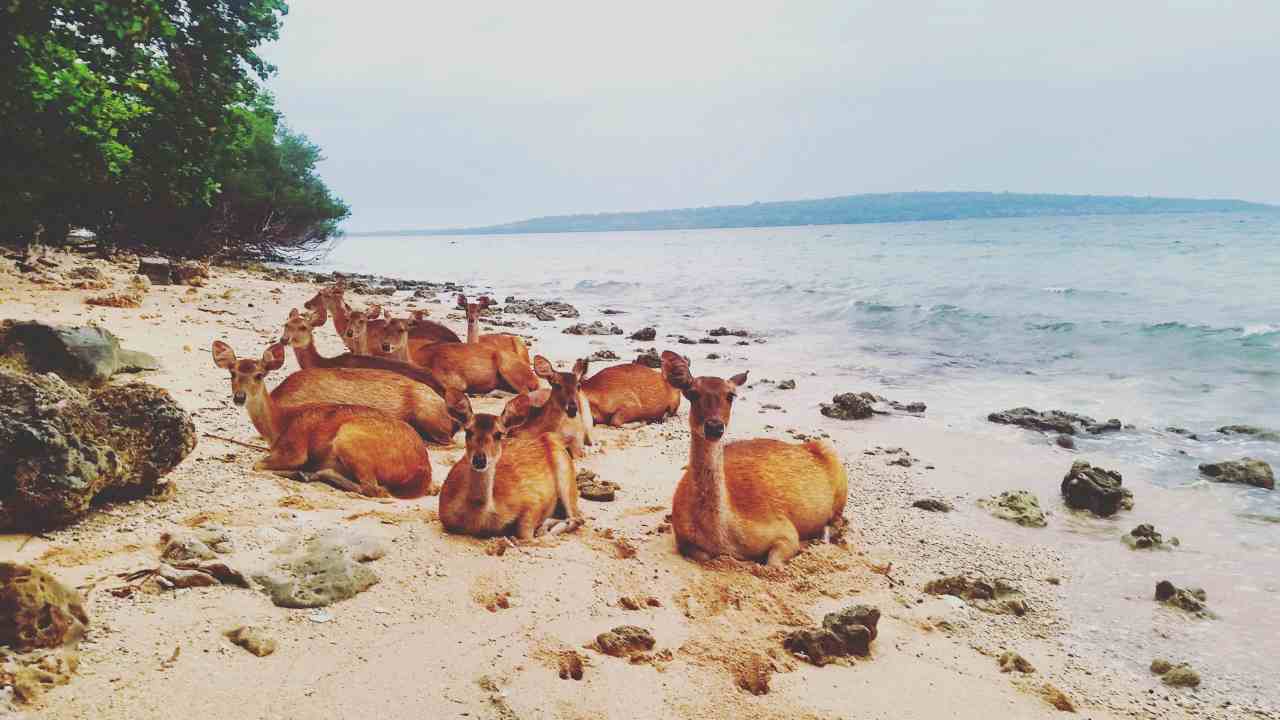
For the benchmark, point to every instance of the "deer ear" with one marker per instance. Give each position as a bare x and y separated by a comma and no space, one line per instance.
516,411
459,406
580,368
542,368
273,357
740,379
676,370
223,356
293,313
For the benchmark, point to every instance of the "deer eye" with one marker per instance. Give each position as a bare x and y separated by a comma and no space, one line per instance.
497,436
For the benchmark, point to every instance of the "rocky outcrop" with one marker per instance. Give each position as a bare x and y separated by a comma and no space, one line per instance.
84,354
844,633
599,327
1018,506
37,611
1247,471
645,334
1251,431
61,449
1190,600
649,358
545,311
1094,489
1145,537
850,406
324,570
1054,421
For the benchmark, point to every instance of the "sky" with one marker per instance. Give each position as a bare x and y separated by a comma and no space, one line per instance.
449,114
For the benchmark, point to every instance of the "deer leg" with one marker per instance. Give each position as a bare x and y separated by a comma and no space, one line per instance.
528,526
783,550
286,455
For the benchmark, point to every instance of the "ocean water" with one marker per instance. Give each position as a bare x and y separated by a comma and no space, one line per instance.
1158,320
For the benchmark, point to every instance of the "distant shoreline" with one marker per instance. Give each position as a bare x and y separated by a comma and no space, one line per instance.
850,210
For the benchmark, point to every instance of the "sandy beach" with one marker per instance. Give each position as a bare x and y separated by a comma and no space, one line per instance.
460,627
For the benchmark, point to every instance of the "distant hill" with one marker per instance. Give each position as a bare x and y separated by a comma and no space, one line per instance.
854,209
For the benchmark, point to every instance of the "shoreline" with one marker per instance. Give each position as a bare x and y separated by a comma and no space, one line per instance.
423,642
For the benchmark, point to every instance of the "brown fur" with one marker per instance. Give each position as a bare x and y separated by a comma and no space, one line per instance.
355,448
752,499
475,368
499,341
394,394
331,301
522,481
298,334
627,393
562,410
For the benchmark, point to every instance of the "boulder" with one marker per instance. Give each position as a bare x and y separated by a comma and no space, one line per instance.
645,334
156,269
844,633
1018,506
1252,431
1053,421
1191,600
599,327
649,358
60,449
78,353
37,611
1094,489
325,570
1247,471
849,406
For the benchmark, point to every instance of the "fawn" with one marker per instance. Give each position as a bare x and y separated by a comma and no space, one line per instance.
352,447
299,333
504,486
501,341
750,499
561,410
631,392
394,394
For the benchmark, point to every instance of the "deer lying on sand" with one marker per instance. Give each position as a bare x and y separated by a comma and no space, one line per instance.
501,341
629,393
750,499
561,410
505,486
330,301
394,394
352,447
471,369
299,334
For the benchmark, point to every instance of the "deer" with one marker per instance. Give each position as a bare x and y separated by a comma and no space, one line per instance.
329,300
508,486
352,447
749,499
299,334
630,393
561,410
394,394
502,341
474,369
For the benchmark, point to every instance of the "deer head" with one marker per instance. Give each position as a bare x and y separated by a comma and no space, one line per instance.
247,376
486,432
564,385
298,328
710,398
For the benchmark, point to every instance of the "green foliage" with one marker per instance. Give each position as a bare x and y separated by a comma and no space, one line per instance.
142,120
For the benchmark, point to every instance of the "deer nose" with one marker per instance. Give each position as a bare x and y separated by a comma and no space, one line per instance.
386,347
713,429
479,461
571,410
238,398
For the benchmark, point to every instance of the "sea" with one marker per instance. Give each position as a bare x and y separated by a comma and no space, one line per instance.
1161,321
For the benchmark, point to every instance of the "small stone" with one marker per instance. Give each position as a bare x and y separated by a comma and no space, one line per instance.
1018,506
599,327
932,505
849,406
603,355
591,487
1181,676
1011,661
571,665
253,639
1160,666
787,385
625,640
1057,698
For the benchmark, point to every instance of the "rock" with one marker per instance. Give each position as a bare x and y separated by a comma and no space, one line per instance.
708,341
184,546
647,334
191,272
1160,667
116,300
994,596
61,449
1053,421
685,341
844,633
932,505
1091,488
77,353
1247,471
86,272
625,641
37,611
1145,536
1191,600
713,356
1253,431
603,355
1011,661
902,461
724,331
1057,698
591,487
1183,432
326,570
185,578
570,665
1019,506
1181,676
786,385
156,269
253,639
849,406
544,311
649,358
599,327
32,674
915,408
636,602
1066,442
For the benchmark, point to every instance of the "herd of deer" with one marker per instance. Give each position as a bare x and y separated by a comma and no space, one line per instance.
358,421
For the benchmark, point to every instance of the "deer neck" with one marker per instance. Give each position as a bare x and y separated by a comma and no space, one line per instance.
480,484
338,309
402,352
307,356
706,473
473,329
264,414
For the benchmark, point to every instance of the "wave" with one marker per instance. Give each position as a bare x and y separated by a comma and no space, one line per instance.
604,286
1247,332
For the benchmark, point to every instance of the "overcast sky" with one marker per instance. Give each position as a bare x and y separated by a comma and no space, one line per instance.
461,113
